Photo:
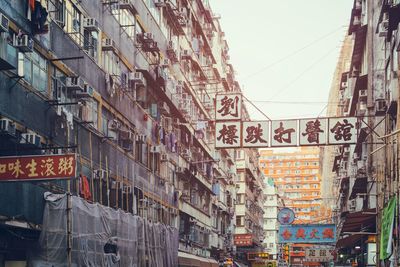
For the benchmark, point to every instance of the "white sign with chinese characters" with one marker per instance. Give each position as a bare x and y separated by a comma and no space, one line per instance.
342,130
313,131
228,134
319,254
284,133
255,134
228,107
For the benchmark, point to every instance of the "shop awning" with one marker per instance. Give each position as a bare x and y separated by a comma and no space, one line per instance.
348,241
359,187
361,221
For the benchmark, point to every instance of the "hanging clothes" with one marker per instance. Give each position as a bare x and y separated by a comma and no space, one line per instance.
84,188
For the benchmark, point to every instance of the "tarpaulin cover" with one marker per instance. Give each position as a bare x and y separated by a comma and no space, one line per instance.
102,236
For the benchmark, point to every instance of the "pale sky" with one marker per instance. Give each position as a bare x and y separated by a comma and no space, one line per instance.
284,51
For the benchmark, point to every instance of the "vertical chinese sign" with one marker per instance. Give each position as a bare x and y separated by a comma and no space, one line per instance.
37,167
307,233
228,115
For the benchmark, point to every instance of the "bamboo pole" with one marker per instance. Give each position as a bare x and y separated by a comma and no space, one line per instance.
101,183
91,166
108,183
117,189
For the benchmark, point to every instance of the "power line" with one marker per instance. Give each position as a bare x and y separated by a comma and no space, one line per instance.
293,53
302,73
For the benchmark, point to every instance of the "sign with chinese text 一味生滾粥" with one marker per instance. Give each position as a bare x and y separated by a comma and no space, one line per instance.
307,233
37,167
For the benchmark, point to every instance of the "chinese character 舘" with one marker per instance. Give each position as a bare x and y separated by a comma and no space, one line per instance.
229,106
342,130
254,134
312,130
280,132
228,134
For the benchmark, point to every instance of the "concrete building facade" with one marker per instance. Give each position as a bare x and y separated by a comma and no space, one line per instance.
129,87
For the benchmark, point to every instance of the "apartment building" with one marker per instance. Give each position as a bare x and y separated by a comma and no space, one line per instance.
365,172
296,176
249,211
272,204
128,88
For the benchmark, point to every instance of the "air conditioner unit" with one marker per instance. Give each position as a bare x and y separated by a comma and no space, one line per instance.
108,44
159,3
140,138
164,108
87,91
165,62
186,153
136,77
356,21
344,85
352,204
100,174
186,54
180,170
148,37
114,125
127,189
155,149
7,126
164,157
29,138
74,83
24,43
362,94
4,23
91,24
380,107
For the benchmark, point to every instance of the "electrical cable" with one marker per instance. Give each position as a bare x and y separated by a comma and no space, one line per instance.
302,73
292,54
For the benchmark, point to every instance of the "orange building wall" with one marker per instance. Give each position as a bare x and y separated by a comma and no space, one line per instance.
296,175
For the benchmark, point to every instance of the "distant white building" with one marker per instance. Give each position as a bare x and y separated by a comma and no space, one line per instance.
272,203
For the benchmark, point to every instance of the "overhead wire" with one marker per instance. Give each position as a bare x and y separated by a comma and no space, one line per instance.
292,54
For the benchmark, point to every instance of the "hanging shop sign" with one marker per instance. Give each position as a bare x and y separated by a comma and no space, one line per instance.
288,133
307,233
243,240
319,254
228,107
37,167
286,216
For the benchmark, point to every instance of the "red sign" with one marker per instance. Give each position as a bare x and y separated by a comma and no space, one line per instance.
42,167
243,240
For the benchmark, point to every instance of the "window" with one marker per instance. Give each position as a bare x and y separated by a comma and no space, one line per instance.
240,198
35,71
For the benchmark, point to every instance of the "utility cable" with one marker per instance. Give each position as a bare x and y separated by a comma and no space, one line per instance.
302,73
293,53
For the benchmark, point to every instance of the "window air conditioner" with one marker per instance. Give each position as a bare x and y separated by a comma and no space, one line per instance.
87,92
7,126
24,43
29,138
164,157
186,153
159,3
155,149
108,44
74,83
4,22
148,37
136,77
91,24
362,94
380,107
165,62
186,54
